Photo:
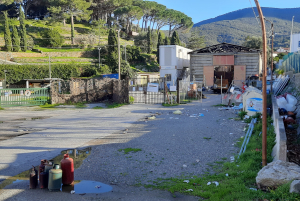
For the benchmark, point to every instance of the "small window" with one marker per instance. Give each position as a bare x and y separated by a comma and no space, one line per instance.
168,77
299,44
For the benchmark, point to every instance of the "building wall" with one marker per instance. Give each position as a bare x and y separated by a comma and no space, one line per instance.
251,60
295,45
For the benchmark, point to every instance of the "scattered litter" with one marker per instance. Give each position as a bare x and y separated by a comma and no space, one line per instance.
97,186
186,181
245,129
192,116
190,190
197,160
209,183
184,166
226,175
177,112
72,192
215,182
232,159
152,118
253,189
231,133
246,117
201,115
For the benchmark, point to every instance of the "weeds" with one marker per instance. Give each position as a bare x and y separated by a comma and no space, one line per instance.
1,108
98,107
115,105
169,105
127,150
207,138
219,105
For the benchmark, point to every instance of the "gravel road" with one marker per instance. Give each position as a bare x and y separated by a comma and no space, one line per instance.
170,146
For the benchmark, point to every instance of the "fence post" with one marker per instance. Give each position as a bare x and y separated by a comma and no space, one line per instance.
178,91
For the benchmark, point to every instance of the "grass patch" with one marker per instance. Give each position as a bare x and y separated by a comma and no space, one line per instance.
98,107
219,105
185,101
1,108
116,105
61,49
169,105
49,105
207,138
241,176
127,150
80,105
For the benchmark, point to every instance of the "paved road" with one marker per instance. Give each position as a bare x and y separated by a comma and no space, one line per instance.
167,143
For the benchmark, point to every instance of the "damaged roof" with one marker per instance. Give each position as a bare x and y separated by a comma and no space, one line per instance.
224,48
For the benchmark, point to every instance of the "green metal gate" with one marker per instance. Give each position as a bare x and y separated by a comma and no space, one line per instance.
23,97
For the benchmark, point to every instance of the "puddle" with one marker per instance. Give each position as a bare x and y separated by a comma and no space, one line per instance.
86,186
78,156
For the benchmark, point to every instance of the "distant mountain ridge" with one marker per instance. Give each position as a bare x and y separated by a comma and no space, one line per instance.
235,26
281,13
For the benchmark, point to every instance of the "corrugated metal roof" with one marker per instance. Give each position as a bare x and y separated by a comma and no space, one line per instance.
224,48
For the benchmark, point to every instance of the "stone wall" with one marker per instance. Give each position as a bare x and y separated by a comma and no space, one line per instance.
81,90
120,91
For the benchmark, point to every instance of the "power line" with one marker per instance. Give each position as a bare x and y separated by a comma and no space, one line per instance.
254,12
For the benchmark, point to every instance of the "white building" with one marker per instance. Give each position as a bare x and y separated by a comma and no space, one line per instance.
295,43
172,59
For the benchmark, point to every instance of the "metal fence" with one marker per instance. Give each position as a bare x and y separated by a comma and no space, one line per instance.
24,97
147,90
190,90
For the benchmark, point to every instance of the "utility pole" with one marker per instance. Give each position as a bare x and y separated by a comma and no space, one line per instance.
125,53
272,28
99,48
291,39
119,54
264,92
49,67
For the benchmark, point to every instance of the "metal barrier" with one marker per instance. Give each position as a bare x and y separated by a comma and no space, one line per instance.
23,97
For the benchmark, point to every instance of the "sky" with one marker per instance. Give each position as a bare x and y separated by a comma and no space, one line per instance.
200,10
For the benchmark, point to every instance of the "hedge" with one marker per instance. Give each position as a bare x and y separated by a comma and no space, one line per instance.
17,73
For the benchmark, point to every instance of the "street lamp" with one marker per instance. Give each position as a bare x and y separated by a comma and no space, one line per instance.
5,71
99,48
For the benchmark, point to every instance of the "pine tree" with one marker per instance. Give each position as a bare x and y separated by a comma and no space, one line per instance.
167,40
23,34
149,41
159,43
7,34
196,41
15,40
175,39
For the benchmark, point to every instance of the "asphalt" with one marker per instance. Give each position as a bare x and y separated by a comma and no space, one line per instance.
170,146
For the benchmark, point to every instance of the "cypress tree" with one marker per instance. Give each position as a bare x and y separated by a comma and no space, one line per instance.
175,39
7,34
167,40
149,41
23,34
15,40
159,43
112,50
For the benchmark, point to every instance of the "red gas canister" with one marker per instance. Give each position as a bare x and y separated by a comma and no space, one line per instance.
67,167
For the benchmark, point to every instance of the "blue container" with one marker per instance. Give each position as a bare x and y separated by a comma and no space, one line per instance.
116,76
168,85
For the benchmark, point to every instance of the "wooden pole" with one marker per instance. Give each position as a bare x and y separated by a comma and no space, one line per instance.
119,53
272,59
264,91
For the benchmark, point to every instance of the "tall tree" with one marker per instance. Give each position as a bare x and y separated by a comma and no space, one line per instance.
71,8
167,41
159,43
15,39
175,39
7,34
196,41
112,50
149,41
253,42
129,13
23,33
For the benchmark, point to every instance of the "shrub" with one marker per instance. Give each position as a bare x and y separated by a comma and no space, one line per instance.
52,38
131,99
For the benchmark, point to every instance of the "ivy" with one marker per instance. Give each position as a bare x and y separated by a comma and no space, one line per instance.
17,73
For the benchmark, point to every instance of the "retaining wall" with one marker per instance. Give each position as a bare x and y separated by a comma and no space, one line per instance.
280,149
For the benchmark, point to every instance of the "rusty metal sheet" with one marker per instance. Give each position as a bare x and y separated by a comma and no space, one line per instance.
223,60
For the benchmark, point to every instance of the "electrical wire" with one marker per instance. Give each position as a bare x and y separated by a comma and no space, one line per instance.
254,12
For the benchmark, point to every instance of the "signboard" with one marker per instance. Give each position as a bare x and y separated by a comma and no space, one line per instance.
172,88
152,87
254,104
27,93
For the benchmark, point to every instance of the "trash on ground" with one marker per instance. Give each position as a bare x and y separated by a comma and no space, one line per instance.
191,190
215,182
184,166
186,181
192,116
201,115
197,160
246,117
226,175
97,186
231,133
177,112
253,189
153,117
209,183
232,159
72,192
